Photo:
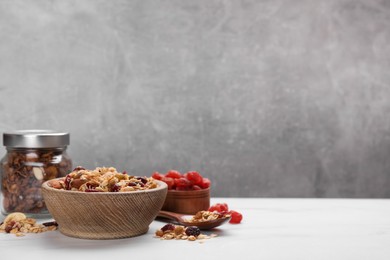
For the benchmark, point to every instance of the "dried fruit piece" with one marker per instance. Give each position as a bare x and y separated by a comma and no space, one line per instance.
194,177
173,174
142,179
236,217
157,176
168,227
206,183
219,207
50,223
192,231
182,183
115,188
169,181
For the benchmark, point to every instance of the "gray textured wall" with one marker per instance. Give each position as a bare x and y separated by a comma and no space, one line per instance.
273,98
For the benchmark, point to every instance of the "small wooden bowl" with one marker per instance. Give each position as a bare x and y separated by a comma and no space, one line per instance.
187,202
104,215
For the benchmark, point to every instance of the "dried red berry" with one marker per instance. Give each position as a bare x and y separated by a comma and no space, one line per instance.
206,183
194,177
169,181
67,182
173,174
192,231
236,217
168,227
157,176
115,188
219,207
8,228
182,183
142,179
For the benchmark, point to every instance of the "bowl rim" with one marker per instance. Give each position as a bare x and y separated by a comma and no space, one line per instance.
161,186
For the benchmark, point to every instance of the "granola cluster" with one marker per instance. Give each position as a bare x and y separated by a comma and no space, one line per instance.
17,223
102,179
178,232
204,215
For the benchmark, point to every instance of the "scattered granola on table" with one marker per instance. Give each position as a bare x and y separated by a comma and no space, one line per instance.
178,232
102,179
17,223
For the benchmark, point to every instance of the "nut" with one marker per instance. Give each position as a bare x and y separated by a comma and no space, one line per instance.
38,173
17,216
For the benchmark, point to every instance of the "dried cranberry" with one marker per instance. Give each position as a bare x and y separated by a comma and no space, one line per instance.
115,188
192,231
196,187
157,176
219,207
132,184
206,183
236,217
168,226
8,229
9,226
194,177
170,182
142,179
67,182
182,183
124,172
173,174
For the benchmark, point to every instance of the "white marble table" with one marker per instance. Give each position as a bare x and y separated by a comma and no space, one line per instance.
271,229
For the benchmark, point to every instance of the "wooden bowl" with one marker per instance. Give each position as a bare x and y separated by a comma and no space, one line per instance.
187,202
104,215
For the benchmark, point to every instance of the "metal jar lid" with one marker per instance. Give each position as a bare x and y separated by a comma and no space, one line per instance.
35,139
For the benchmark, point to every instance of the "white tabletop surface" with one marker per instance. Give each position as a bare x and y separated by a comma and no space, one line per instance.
271,229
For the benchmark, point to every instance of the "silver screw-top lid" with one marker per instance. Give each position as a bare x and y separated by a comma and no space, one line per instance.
35,139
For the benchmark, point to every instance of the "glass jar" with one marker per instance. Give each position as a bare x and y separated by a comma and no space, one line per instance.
33,157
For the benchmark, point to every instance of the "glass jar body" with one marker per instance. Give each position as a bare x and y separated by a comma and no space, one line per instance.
23,170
